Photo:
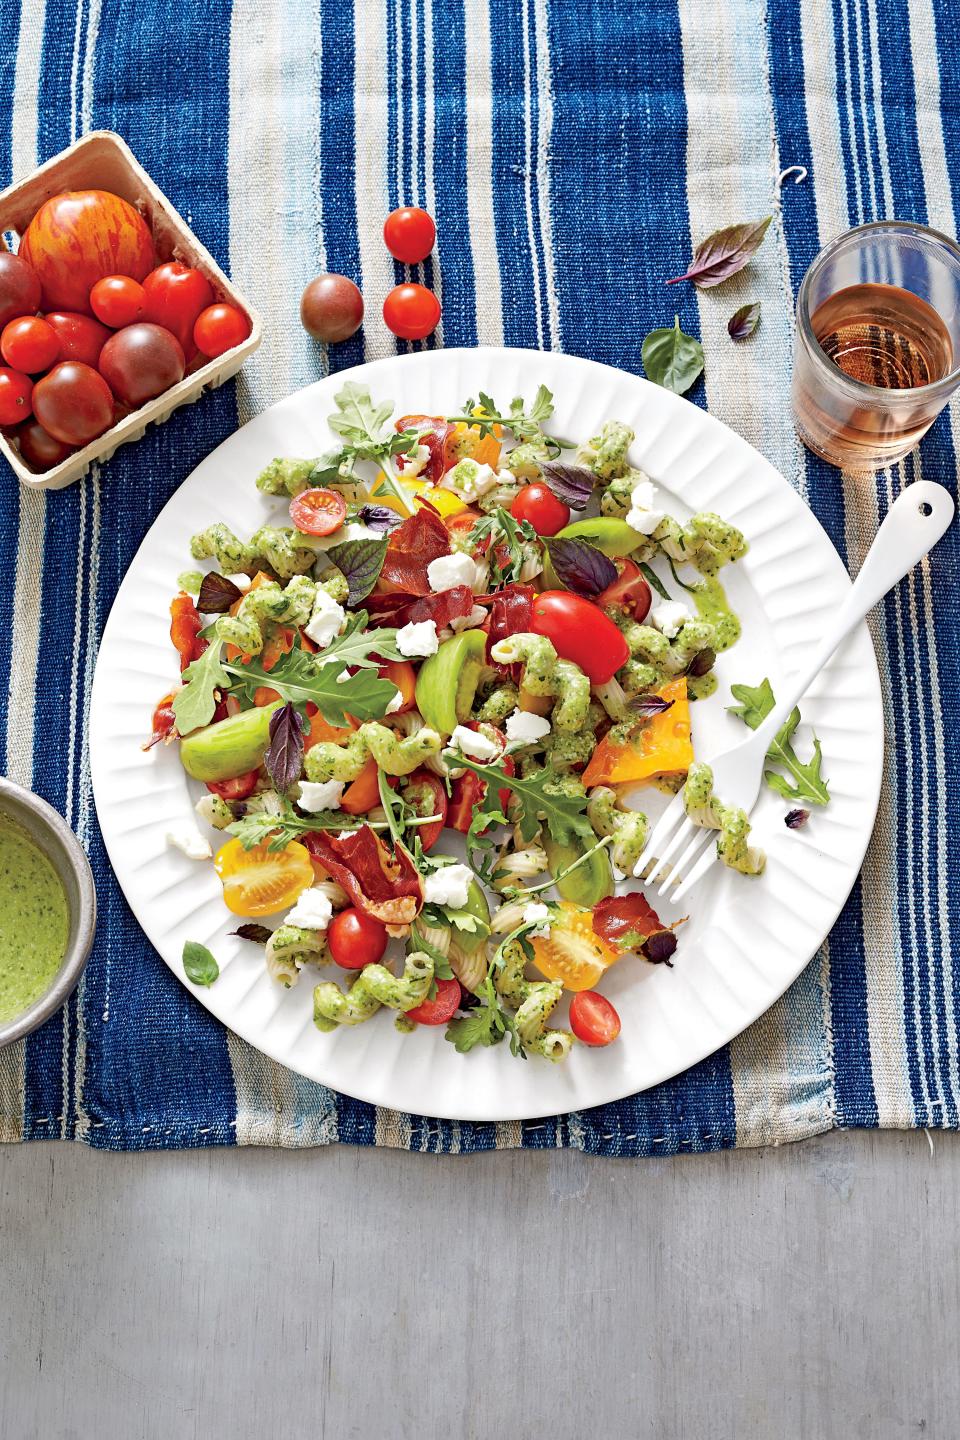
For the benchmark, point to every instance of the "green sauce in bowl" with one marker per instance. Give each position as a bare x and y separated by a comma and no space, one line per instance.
34,920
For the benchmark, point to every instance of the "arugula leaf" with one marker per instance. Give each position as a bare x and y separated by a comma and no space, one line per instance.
463,920
441,965
362,423
278,830
756,702
199,965
526,424
486,1024
359,646
194,705
810,784
502,529
541,801
298,677
358,418
361,562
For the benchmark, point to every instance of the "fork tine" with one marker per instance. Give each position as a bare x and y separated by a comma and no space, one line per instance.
707,859
667,855
661,834
694,850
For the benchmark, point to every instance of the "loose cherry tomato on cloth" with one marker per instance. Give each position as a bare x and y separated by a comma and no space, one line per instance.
19,288
318,512
629,591
219,328
118,300
238,788
593,1019
411,311
538,505
426,794
441,1008
261,881
78,237
16,390
175,296
140,361
331,308
29,344
403,675
580,632
81,337
572,953
40,450
356,939
185,627
409,234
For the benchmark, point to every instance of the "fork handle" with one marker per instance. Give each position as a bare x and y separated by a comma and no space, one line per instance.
914,523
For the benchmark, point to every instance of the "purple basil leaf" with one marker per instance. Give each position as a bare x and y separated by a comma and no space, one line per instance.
744,321
217,594
796,818
581,567
702,663
660,947
284,757
649,705
573,484
724,253
258,934
379,518
361,562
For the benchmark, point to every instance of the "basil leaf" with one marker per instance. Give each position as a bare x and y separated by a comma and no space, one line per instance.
795,819
573,484
199,965
284,754
672,359
581,567
361,562
379,518
650,705
193,706
744,321
653,580
258,934
724,253
217,594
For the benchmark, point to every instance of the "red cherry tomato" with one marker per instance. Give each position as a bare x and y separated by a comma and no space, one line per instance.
426,793
538,505
236,789
331,308
19,288
175,296
140,361
411,311
593,1019
118,300
73,403
581,633
15,396
219,328
40,450
409,234
441,1008
81,337
629,591
356,939
78,237
29,344
318,512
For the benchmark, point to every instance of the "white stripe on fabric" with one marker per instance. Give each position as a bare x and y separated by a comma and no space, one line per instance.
370,99
429,140
274,1105
529,170
480,180
392,1129
544,203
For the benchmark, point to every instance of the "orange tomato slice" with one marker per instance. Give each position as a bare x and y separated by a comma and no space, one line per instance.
260,881
402,674
573,952
321,729
364,793
660,747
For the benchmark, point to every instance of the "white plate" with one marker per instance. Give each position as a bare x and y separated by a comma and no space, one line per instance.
746,939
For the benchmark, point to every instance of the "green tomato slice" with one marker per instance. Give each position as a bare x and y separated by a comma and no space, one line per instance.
589,883
447,682
614,537
228,747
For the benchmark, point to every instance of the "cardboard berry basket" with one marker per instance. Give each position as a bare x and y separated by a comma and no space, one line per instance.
102,161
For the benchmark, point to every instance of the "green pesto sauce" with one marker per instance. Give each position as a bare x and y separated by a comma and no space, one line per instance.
712,605
34,921
700,686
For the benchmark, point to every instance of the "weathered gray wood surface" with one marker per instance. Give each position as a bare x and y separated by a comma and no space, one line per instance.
808,1293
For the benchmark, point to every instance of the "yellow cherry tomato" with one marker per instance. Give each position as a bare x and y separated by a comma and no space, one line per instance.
261,881
443,501
573,952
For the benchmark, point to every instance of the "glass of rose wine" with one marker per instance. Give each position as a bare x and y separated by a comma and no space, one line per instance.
877,353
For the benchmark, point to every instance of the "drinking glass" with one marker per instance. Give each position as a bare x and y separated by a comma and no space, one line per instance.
877,351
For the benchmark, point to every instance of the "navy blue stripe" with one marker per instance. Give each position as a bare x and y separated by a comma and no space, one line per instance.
338,168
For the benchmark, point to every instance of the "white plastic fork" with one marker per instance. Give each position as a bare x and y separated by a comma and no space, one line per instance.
678,852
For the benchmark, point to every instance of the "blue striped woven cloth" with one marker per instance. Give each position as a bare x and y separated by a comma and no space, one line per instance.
570,150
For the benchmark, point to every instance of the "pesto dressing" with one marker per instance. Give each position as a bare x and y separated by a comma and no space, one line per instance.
34,921
713,606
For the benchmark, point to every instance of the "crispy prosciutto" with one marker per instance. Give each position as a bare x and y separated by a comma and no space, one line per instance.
399,609
629,922
410,549
434,432
382,883
185,627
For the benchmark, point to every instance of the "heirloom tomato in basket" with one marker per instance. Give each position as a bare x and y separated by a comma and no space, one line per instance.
77,238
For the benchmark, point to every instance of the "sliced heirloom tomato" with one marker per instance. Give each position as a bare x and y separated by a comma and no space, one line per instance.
426,794
572,953
363,794
318,512
259,881
660,745
593,1019
238,787
441,1008
580,632
402,674
629,592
